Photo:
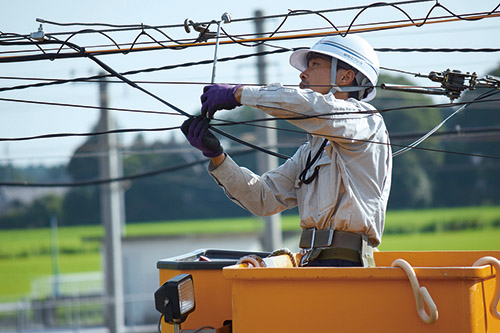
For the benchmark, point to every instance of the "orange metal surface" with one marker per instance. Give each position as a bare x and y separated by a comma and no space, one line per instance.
376,299
213,298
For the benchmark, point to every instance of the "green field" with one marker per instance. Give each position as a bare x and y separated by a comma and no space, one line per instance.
26,254
484,239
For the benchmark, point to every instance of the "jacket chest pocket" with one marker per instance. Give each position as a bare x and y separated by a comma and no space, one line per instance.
328,187
320,195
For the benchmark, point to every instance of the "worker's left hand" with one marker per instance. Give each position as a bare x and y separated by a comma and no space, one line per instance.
218,97
199,136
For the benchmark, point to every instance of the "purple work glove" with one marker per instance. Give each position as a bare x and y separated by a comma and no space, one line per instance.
199,136
218,97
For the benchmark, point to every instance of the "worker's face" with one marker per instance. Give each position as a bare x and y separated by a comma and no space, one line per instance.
317,76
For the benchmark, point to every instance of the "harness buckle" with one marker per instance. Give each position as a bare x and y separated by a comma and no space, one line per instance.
311,253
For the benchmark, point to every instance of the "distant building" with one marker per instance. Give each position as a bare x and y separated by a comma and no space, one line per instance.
10,196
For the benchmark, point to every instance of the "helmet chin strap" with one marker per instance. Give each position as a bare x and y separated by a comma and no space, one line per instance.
333,75
334,87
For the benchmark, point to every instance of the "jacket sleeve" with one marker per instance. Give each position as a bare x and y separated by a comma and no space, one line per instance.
320,115
269,194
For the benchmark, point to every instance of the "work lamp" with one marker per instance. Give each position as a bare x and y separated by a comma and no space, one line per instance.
175,298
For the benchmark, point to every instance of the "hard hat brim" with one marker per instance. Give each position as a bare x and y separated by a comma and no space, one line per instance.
298,59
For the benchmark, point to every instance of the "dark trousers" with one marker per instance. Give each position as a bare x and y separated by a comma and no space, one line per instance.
333,263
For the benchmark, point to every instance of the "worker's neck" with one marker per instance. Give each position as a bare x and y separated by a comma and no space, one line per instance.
341,95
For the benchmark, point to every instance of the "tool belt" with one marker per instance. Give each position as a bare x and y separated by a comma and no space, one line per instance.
335,244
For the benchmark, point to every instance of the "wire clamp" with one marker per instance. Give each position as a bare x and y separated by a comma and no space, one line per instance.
38,35
205,33
453,83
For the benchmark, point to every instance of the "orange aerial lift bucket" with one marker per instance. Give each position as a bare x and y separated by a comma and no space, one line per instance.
452,293
212,291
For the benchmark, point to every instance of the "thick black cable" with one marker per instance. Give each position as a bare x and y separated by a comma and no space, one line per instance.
104,66
146,70
291,12
118,179
170,105
127,27
106,181
22,37
97,182
400,108
350,26
405,147
437,50
453,133
187,165
87,106
142,33
251,145
188,115
64,135
436,5
253,122
378,4
384,143
231,37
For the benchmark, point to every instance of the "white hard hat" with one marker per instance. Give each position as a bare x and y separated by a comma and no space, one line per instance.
351,49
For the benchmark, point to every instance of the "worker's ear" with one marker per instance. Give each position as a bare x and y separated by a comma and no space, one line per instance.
346,78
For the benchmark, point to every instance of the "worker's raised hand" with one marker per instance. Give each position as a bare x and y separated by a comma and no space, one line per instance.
199,136
218,97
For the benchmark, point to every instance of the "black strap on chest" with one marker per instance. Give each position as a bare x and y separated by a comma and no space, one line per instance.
309,164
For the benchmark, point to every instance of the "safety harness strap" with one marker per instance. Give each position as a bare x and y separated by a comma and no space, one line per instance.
336,244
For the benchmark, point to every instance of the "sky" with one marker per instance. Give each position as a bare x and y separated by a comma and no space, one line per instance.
21,119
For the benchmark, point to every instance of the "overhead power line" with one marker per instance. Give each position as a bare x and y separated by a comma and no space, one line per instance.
191,164
64,135
168,104
79,50
252,41
482,132
141,27
477,133
437,50
96,78
145,70
131,130
87,106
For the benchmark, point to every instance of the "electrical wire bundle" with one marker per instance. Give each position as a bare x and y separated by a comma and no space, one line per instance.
52,46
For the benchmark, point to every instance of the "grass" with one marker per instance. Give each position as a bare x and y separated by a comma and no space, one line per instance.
28,242
428,220
211,226
17,274
483,239
26,254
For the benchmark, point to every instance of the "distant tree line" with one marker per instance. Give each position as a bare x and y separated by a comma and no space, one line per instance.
421,178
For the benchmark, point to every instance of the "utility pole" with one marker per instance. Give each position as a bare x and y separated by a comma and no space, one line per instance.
112,217
272,238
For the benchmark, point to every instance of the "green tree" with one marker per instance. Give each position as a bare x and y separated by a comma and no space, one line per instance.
81,205
35,215
413,172
181,194
471,180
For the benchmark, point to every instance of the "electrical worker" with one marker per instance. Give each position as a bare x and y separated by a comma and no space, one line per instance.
340,178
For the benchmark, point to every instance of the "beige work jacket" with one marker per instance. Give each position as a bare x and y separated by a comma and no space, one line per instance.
351,190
